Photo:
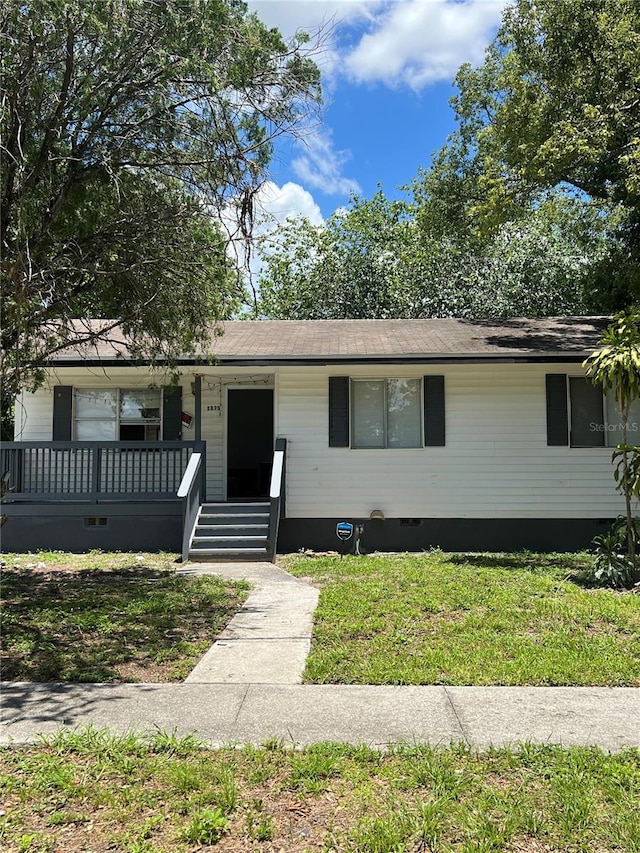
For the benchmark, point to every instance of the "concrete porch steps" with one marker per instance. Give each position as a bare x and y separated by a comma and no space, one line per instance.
231,531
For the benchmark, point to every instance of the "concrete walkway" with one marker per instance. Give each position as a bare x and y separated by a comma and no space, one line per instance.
303,714
246,689
268,640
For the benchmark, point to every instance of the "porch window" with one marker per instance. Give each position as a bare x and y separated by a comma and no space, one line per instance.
120,414
386,413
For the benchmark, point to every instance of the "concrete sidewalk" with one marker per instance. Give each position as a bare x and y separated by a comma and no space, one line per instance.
268,640
246,689
304,714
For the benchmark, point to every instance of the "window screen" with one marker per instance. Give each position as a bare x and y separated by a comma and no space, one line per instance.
614,435
587,416
403,413
367,399
386,413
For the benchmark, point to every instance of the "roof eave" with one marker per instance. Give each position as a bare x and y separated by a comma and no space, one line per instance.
326,360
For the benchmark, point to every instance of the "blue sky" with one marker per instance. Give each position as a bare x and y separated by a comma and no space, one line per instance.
387,74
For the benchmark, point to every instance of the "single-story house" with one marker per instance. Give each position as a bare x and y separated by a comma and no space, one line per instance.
461,434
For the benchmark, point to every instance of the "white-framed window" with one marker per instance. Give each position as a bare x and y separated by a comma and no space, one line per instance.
594,417
386,413
117,414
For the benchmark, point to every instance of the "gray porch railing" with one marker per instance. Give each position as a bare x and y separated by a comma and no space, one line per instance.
277,506
190,492
91,471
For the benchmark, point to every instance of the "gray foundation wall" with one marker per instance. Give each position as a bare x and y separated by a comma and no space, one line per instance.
78,528
83,527
449,534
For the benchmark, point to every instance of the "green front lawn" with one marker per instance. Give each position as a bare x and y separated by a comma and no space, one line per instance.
438,618
108,617
99,792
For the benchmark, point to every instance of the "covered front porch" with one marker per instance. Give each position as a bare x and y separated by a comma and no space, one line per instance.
84,495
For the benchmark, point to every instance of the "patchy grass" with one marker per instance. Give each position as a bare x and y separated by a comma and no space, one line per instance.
108,617
96,791
468,619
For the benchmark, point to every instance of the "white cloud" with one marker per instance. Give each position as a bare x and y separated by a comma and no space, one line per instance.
323,21
273,205
417,42
320,166
410,42
289,16
276,204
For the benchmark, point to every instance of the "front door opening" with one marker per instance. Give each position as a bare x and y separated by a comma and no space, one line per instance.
249,443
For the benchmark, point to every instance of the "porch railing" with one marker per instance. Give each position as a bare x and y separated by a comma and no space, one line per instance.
191,492
91,471
277,494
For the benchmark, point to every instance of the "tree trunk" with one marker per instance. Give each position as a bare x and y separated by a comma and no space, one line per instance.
631,528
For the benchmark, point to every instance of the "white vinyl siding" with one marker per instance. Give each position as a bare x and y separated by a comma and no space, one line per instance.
34,411
34,415
496,462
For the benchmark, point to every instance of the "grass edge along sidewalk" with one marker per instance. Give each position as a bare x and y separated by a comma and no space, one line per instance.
468,619
95,790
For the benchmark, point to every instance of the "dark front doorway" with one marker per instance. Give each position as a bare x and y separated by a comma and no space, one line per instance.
249,443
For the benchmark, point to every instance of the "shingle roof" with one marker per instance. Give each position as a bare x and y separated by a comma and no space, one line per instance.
367,340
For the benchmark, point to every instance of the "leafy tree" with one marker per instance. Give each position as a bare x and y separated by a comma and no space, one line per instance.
383,258
354,266
555,105
125,125
616,366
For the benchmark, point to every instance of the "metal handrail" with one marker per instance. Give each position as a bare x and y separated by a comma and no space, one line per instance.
190,492
189,475
277,494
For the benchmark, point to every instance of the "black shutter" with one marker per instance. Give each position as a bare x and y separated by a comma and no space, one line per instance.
557,418
338,411
172,413
434,411
62,412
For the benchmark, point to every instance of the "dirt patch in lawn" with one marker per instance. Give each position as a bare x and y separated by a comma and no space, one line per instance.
135,622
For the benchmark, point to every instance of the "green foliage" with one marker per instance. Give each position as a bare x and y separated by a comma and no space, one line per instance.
394,259
612,566
554,105
125,127
358,265
627,473
259,825
616,366
207,826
